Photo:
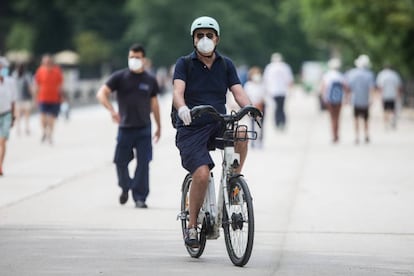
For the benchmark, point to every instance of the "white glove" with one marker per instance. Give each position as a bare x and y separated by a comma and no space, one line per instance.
185,115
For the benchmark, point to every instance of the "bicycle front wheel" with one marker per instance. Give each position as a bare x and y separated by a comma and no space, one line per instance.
201,228
238,224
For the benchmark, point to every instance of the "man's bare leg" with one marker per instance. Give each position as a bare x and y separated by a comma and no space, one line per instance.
2,152
197,192
241,147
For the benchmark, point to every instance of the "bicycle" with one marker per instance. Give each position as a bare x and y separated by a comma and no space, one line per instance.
234,208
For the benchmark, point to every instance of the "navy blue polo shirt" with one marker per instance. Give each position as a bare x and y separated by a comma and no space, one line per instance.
206,86
134,93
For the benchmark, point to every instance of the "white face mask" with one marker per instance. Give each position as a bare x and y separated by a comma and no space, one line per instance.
205,45
135,64
256,77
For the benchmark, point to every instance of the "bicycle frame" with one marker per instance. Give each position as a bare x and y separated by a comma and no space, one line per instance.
232,209
210,207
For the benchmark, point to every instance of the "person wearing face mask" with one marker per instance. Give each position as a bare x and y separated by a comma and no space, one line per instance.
8,95
136,94
206,83
256,91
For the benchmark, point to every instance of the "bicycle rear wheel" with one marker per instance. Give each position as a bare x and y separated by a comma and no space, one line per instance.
238,225
201,228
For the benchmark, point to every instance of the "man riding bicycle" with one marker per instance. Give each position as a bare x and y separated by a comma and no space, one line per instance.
203,78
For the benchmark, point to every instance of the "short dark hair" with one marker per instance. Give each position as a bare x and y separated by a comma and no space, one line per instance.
136,47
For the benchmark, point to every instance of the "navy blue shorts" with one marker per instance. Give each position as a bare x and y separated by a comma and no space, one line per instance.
362,112
49,108
389,105
195,143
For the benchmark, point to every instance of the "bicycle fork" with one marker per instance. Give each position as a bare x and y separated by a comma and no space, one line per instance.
231,161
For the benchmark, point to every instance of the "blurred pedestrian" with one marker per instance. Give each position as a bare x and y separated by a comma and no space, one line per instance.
24,103
48,83
7,105
390,85
278,79
332,88
136,93
361,83
255,89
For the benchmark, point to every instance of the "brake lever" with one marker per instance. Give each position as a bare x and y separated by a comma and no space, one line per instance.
255,116
257,122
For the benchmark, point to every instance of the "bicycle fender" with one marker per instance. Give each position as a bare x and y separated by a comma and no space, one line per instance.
234,176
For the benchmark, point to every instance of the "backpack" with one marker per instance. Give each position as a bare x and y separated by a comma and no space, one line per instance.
189,67
335,93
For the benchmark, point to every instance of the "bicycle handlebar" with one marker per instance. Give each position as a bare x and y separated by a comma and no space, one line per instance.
199,110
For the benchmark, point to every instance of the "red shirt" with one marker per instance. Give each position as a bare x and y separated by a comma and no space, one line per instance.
49,81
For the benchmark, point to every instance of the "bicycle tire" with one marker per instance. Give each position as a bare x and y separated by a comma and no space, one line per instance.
194,252
239,224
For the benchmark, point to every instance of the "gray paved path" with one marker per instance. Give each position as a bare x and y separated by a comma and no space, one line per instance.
321,209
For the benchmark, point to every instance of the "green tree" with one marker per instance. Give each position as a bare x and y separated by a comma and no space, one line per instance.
250,33
21,37
92,49
6,17
104,20
48,19
299,29
382,29
51,26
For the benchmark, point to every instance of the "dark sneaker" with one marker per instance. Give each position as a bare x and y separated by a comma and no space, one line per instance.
123,198
191,238
140,204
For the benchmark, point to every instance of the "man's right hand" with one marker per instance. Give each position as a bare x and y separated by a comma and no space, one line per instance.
185,115
115,117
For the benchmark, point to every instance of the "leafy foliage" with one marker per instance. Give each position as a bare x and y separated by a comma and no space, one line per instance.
91,47
101,31
382,29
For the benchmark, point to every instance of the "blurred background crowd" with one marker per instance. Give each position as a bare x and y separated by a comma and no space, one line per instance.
88,38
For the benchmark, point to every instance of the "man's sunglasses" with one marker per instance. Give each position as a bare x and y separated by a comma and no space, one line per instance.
201,35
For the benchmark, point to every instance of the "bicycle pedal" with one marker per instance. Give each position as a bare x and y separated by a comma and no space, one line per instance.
182,216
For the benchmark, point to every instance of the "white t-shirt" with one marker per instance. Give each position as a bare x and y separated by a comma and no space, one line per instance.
255,91
277,77
7,94
389,82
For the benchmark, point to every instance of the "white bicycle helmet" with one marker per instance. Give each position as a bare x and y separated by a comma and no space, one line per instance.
205,22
